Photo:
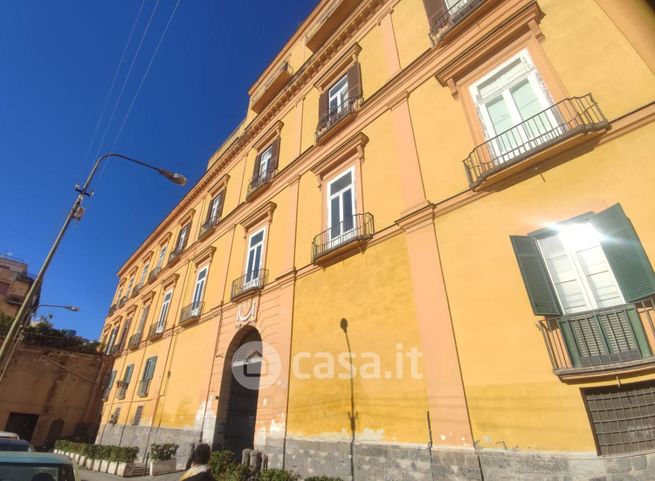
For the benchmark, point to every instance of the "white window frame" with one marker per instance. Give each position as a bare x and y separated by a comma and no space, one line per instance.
254,281
144,273
112,338
214,207
130,285
581,277
340,94
119,293
163,312
199,290
143,318
342,236
264,161
182,236
162,255
498,153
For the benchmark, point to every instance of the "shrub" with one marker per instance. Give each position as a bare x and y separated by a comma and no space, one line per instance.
92,451
236,472
220,461
162,452
322,478
277,475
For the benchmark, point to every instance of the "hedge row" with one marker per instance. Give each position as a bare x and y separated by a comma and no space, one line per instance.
121,454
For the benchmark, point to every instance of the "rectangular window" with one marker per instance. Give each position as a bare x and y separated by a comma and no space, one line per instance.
215,209
338,95
109,381
341,207
136,420
578,269
514,108
182,238
199,291
119,293
161,321
112,339
123,337
622,418
142,319
254,260
144,273
265,162
162,255
148,374
130,284
127,377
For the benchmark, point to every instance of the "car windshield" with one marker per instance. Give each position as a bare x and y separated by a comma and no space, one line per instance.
36,472
14,445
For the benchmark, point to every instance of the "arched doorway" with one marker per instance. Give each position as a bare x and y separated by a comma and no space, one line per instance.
243,374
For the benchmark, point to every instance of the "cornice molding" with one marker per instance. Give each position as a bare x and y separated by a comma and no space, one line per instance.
339,66
264,212
219,184
170,280
352,147
268,136
204,255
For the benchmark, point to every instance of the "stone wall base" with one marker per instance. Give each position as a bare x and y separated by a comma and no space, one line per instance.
389,462
142,436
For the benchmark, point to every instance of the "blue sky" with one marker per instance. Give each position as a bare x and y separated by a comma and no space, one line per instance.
57,63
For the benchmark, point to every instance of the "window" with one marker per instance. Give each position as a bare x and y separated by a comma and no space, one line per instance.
265,166
4,287
199,291
136,420
130,284
113,419
127,377
148,374
161,322
341,207
578,269
119,293
254,259
126,328
142,320
182,238
112,339
338,95
144,273
215,208
109,381
583,274
264,161
622,417
513,106
162,255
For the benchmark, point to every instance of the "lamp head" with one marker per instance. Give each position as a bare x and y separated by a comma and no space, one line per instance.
174,177
73,308
344,324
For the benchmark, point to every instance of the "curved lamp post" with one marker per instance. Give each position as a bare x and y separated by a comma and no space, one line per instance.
76,213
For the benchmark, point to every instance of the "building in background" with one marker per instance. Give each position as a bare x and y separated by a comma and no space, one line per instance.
426,251
15,281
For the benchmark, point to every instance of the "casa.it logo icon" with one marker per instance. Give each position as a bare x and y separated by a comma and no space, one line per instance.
256,365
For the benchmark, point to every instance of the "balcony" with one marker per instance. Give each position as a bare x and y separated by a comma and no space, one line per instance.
208,227
112,309
350,234
134,341
154,274
561,126
261,97
137,289
249,283
259,182
191,313
444,21
175,255
155,332
116,350
334,116
121,302
333,16
620,338
14,299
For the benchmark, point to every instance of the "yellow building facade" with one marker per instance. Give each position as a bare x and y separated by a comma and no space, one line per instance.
423,253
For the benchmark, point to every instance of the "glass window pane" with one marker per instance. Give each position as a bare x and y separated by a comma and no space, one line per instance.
341,183
335,216
526,99
348,210
499,115
256,238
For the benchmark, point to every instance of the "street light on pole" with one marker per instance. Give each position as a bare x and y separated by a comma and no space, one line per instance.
76,213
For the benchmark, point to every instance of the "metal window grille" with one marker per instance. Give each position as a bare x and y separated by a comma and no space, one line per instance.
622,417
136,420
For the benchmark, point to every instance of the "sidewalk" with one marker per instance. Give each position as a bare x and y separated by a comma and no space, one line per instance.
87,475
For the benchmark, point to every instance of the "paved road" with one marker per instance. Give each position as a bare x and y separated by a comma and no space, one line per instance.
87,475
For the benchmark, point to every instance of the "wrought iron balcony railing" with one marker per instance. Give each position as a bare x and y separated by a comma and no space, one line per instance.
566,118
116,350
134,341
356,228
154,274
191,312
260,180
601,340
121,389
155,331
175,255
14,299
137,289
208,226
122,301
252,281
112,309
333,115
447,17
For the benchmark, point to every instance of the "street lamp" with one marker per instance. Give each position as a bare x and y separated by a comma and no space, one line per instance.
76,213
68,308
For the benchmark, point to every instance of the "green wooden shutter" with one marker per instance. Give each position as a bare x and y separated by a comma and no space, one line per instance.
128,373
275,154
625,254
536,280
150,369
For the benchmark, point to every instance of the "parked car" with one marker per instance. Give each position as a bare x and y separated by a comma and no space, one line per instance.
15,466
8,444
8,435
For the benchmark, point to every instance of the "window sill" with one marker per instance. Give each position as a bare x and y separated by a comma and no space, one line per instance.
252,194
